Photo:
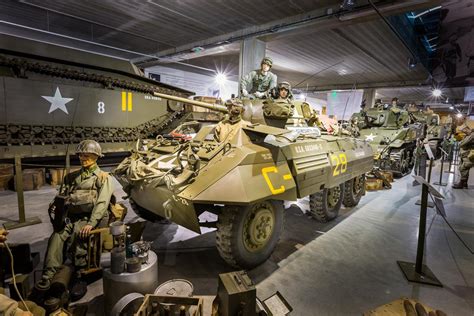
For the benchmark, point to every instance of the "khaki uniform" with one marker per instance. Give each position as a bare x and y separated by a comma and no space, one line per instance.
466,145
226,130
89,192
256,81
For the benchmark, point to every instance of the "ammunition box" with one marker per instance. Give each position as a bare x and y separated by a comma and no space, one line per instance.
237,294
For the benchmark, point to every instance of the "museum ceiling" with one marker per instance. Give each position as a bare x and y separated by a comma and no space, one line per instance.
316,45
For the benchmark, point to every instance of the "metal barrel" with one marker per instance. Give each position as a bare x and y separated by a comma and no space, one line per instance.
215,107
117,260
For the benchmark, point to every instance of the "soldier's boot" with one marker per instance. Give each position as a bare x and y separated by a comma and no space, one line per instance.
462,184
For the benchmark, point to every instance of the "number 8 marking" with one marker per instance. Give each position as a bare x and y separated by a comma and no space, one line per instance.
340,162
343,159
101,107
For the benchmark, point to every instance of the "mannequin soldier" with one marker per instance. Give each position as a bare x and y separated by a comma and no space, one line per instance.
258,83
282,91
467,157
227,128
87,193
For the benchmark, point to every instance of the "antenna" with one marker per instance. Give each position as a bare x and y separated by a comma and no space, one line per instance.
329,67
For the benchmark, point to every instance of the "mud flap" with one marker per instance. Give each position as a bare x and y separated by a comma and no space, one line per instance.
181,212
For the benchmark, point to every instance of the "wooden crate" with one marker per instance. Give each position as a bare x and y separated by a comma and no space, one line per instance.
57,175
6,169
33,179
193,305
5,181
372,184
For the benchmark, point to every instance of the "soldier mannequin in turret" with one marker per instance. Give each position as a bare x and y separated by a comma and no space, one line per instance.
227,128
282,92
258,83
88,192
395,102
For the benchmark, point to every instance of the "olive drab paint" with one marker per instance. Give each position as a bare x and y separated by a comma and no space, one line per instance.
263,162
51,96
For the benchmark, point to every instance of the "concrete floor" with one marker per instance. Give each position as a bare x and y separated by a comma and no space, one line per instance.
344,267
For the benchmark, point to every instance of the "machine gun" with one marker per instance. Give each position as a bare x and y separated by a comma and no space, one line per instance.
58,211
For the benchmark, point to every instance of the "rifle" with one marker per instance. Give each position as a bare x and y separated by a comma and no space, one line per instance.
58,211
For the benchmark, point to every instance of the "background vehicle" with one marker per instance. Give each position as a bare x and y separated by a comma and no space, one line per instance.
392,137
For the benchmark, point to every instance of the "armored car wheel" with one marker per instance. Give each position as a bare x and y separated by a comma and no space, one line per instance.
247,235
353,191
324,206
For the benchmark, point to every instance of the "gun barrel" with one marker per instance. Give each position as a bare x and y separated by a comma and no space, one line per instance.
215,107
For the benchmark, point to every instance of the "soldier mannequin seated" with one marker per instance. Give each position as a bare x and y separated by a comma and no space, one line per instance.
260,81
87,192
227,128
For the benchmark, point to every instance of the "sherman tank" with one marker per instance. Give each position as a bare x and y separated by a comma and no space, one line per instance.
52,96
392,137
245,179
435,131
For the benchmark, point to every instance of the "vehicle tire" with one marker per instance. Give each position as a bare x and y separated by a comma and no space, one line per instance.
247,235
325,205
354,189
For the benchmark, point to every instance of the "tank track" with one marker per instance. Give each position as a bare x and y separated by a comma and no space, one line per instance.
395,158
18,135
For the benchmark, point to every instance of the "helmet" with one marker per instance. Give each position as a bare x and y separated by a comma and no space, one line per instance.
267,60
235,102
284,85
89,146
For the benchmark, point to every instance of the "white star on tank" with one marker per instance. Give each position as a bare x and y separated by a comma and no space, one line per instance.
57,102
370,137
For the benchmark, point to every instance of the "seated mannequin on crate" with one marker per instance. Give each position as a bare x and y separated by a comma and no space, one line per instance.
81,205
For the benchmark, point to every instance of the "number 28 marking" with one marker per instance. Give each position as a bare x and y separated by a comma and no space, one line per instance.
341,164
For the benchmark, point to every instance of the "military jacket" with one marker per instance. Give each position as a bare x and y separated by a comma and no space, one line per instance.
226,129
467,143
256,81
89,193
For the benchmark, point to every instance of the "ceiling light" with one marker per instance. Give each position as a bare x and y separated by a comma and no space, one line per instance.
197,49
436,93
451,107
459,115
221,78
348,4
411,63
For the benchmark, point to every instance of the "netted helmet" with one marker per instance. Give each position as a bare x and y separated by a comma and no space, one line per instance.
234,102
284,85
89,146
268,61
